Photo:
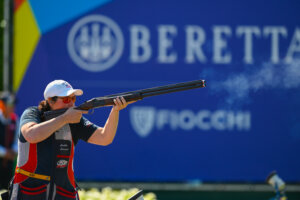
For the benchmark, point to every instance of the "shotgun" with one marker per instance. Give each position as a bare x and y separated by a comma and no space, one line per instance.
129,96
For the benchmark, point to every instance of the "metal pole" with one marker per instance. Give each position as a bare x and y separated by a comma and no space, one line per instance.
7,47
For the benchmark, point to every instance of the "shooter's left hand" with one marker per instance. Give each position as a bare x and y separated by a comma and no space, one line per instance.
121,103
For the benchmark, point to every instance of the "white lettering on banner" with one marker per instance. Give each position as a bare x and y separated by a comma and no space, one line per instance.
140,42
195,38
275,32
146,119
220,45
294,46
202,120
95,43
248,31
166,43
186,120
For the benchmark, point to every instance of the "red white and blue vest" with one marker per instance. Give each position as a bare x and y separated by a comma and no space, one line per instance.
50,159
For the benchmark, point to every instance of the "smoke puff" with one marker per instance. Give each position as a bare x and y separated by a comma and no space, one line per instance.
238,87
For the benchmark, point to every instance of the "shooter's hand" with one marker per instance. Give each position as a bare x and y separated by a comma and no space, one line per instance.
121,103
73,116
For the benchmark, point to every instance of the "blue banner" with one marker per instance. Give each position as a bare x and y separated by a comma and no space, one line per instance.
242,126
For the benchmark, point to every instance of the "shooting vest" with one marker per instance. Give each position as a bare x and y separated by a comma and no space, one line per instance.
45,169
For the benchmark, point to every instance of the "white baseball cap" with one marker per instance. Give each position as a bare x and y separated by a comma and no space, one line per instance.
60,88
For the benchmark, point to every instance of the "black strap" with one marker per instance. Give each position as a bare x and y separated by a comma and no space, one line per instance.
53,168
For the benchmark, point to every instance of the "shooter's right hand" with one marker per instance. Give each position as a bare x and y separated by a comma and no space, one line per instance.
73,116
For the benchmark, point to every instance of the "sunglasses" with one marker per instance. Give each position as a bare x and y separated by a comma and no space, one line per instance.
67,99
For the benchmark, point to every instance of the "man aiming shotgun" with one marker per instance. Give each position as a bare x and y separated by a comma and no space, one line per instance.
48,135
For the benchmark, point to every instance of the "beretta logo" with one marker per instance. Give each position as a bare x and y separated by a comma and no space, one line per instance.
95,43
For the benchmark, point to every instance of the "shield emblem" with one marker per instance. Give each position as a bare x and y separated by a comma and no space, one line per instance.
142,119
